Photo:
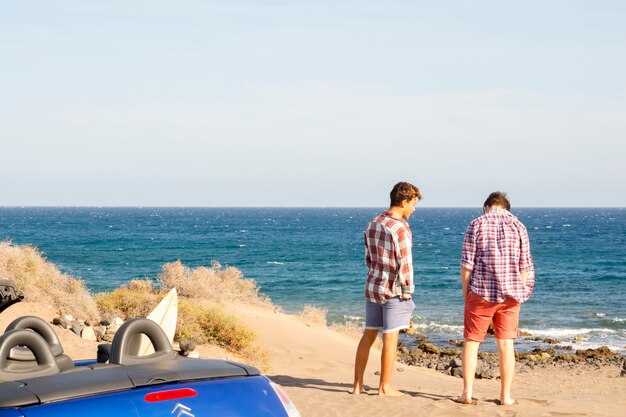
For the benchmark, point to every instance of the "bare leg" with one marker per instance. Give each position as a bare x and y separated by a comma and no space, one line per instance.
387,361
362,355
507,369
470,358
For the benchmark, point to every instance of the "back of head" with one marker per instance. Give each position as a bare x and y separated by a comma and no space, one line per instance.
498,198
403,191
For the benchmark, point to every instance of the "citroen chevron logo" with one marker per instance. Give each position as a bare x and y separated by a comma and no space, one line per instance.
180,410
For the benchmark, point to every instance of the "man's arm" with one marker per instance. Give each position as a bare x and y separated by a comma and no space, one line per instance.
526,267
468,254
404,259
466,274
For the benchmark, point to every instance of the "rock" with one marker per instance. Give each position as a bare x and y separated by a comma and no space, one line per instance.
416,352
117,322
187,345
455,342
429,348
580,339
105,322
89,323
88,334
522,333
106,338
60,321
487,373
77,328
193,355
457,372
99,331
403,350
456,363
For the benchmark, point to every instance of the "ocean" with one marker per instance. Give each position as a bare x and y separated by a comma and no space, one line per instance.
315,256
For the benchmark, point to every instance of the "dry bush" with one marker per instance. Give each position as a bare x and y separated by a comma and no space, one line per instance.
213,284
204,324
135,299
313,315
198,321
41,281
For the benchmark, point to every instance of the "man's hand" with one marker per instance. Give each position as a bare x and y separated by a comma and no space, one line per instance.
406,296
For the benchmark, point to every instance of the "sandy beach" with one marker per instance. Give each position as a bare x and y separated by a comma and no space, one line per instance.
314,364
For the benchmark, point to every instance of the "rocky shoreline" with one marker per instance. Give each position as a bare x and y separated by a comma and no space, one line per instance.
448,361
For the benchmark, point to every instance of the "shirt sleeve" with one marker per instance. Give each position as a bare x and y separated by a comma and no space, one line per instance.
368,259
404,257
525,259
468,253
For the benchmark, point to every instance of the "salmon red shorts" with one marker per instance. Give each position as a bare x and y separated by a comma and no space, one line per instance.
479,313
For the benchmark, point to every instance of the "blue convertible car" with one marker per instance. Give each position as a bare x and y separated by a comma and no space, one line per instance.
38,380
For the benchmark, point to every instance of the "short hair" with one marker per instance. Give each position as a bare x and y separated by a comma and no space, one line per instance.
403,191
498,198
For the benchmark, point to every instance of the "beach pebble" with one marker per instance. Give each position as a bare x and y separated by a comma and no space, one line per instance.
88,334
60,321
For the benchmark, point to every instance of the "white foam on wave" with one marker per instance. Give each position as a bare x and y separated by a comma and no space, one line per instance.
618,320
275,263
567,225
353,318
242,246
433,327
594,315
563,333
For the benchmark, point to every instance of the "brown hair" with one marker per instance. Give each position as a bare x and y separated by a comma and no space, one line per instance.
498,198
403,191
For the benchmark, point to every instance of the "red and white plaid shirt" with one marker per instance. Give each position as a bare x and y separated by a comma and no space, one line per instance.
496,249
388,243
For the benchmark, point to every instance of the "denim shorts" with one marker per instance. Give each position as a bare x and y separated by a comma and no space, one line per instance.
392,316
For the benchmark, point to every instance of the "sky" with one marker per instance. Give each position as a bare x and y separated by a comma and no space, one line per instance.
311,103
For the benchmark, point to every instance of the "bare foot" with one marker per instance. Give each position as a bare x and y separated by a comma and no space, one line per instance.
508,401
465,399
389,392
357,389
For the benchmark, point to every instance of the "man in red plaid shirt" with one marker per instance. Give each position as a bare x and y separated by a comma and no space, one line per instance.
389,284
497,275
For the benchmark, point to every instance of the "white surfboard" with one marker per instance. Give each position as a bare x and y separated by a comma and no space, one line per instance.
165,315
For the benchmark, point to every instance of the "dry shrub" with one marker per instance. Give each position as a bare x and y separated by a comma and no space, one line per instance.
41,281
205,324
213,284
198,321
313,315
135,299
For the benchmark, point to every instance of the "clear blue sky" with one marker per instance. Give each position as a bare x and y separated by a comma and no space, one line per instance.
311,103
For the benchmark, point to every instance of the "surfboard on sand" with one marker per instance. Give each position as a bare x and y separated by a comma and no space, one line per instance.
165,315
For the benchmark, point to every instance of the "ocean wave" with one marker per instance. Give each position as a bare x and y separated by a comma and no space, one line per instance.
618,320
242,245
567,333
352,318
433,327
275,263
595,315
